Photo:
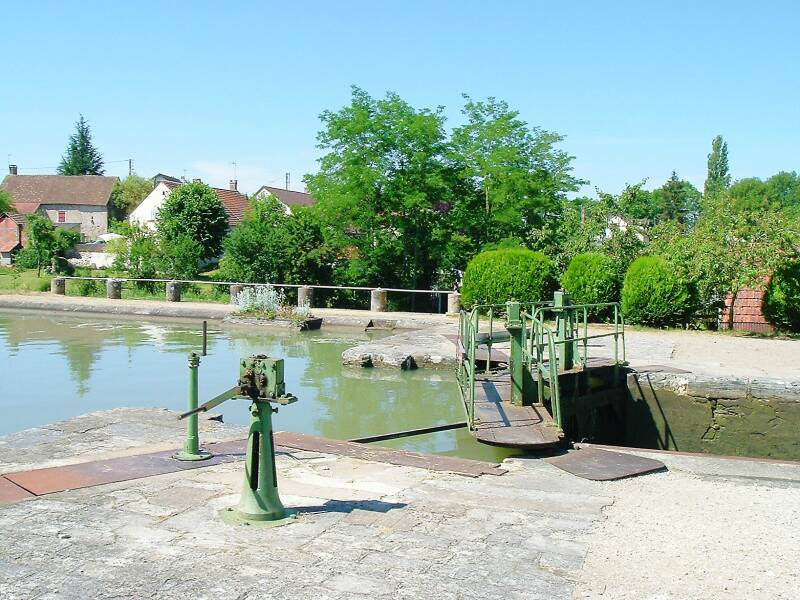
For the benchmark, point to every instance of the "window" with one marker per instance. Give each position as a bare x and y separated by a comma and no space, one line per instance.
62,216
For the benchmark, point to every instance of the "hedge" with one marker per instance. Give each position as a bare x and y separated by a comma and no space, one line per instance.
592,278
497,276
655,294
782,300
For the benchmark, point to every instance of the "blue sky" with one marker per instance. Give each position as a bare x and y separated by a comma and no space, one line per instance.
637,88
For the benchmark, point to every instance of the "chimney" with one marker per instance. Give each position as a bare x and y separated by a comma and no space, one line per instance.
233,185
12,169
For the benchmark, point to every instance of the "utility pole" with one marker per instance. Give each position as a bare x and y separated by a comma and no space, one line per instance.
130,167
288,179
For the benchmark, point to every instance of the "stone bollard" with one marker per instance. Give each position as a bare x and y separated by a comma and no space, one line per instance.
58,285
236,289
305,296
114,289
453,303
377,300
173,291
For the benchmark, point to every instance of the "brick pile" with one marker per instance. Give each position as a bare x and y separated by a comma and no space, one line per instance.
746,312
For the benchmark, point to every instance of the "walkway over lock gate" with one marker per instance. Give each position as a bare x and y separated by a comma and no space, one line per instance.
546,383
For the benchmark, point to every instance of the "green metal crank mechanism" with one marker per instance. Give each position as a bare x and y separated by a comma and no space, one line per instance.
261,382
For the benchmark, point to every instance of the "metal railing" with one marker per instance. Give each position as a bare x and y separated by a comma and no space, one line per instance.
546,350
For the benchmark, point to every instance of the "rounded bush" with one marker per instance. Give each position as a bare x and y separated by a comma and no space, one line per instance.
655,294
497,276
782,300
591,278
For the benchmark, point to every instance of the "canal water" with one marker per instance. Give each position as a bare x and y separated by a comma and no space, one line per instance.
56,367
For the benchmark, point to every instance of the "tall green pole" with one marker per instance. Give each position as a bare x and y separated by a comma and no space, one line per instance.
514,327
566,349
191,447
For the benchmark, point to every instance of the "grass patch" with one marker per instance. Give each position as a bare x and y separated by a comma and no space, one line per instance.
13,281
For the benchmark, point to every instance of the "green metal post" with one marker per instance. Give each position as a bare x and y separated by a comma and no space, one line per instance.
191,448
514,327
564,320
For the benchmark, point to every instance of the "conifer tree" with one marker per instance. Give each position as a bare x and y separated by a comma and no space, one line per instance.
718,178
82,158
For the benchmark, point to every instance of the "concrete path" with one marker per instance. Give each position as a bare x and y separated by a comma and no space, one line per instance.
706,529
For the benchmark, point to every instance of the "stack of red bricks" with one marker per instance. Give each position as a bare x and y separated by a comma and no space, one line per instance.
746,312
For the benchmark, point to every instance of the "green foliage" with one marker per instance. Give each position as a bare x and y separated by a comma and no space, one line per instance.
592,278
655,293
779,192
82,158
497,276
677,200
718,178
45,243
6,202
727,249
137,254
179,257
194,209
127,194
782,300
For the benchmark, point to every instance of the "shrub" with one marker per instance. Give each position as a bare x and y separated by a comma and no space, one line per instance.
655,294
263,299
782,300
498,276
592,278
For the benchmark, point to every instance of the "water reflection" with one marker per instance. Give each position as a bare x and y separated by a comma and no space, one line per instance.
55,367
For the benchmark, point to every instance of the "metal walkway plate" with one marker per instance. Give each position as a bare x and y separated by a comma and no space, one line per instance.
432,462
500,423
10,492
605,465
113,470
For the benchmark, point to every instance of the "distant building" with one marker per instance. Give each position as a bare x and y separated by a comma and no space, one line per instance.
12,236
234,202
288,198
78,202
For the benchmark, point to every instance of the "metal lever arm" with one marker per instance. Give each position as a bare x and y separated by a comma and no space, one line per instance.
216,401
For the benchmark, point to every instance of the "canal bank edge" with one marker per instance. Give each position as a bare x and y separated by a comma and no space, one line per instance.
362,319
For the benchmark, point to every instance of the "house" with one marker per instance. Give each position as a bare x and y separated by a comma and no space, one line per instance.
288,198
234,202
12,236
78,202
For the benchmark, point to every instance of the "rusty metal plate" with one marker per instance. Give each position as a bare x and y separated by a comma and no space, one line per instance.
11,492
449,464
605,465
114,470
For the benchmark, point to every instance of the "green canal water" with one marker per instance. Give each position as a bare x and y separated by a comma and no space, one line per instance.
56,367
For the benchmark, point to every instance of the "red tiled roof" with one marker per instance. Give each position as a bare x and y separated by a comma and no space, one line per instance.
234,202
31,191
288,197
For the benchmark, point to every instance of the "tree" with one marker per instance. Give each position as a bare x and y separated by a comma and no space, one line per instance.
718,178
6,202
127,194
256,250
196,210
677,200
44,243
515,171
779,192
137,254
82,158
384,189
179,257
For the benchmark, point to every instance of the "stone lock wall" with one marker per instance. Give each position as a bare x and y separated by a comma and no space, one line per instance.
745,312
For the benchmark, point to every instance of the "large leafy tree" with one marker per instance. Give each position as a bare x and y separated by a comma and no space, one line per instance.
194,209
514,171
384,188
6,202
81,158
128,194
677,200
718,177
779,192
44,243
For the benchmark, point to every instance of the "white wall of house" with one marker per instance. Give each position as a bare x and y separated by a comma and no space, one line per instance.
145,213
90,221
267,194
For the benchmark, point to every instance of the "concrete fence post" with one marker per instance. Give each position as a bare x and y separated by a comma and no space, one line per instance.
305,296
453,303
173,291
236,289
377,300
114,289
58,285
